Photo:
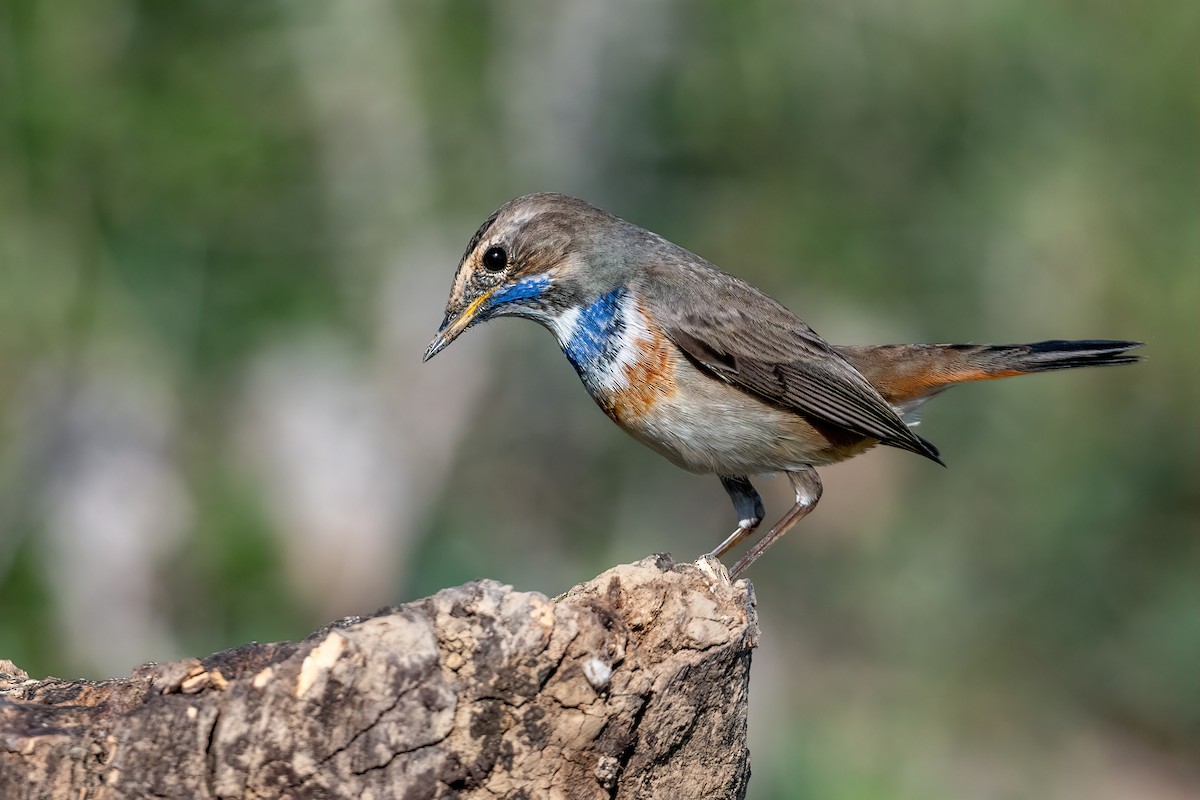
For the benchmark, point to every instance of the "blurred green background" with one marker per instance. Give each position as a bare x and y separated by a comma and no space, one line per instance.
227,232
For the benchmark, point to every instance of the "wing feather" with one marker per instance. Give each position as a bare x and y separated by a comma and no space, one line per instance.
738,334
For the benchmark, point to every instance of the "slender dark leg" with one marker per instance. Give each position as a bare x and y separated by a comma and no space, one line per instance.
748,506
808,491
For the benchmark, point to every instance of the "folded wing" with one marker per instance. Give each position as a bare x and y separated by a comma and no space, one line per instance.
738,334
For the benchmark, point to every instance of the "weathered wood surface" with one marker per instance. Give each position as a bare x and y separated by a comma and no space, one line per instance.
632,685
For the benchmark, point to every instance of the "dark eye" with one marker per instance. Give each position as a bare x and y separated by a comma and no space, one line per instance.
495,259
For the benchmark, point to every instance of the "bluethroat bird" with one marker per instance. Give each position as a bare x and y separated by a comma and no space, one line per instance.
704,368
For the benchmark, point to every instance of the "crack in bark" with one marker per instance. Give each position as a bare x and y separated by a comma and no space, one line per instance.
518,717
371,725
398,753
210,756
626,754
557,663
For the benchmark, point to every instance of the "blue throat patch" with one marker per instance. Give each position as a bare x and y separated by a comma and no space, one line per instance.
596,338
524,289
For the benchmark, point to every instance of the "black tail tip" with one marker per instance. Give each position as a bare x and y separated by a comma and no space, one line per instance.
926,448
1065,354
1083,346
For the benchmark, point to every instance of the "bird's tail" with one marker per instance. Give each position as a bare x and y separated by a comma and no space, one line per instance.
906,374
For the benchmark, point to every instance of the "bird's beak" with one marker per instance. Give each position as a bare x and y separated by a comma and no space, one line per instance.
452,328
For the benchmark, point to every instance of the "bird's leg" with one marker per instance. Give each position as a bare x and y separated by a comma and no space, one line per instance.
748,506
808,491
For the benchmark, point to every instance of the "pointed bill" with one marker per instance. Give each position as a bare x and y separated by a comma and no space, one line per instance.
454,328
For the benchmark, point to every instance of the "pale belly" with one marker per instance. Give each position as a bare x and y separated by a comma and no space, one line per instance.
702,424
707,426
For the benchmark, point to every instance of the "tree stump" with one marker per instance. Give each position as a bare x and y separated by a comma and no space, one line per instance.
632,685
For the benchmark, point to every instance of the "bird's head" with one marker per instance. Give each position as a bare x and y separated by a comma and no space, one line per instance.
537,257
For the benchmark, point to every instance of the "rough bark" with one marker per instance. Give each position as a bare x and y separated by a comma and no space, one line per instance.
632,685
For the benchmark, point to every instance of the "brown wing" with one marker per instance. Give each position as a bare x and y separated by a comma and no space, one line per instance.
738,334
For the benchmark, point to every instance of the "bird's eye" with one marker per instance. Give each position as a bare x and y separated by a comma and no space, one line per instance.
495,259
